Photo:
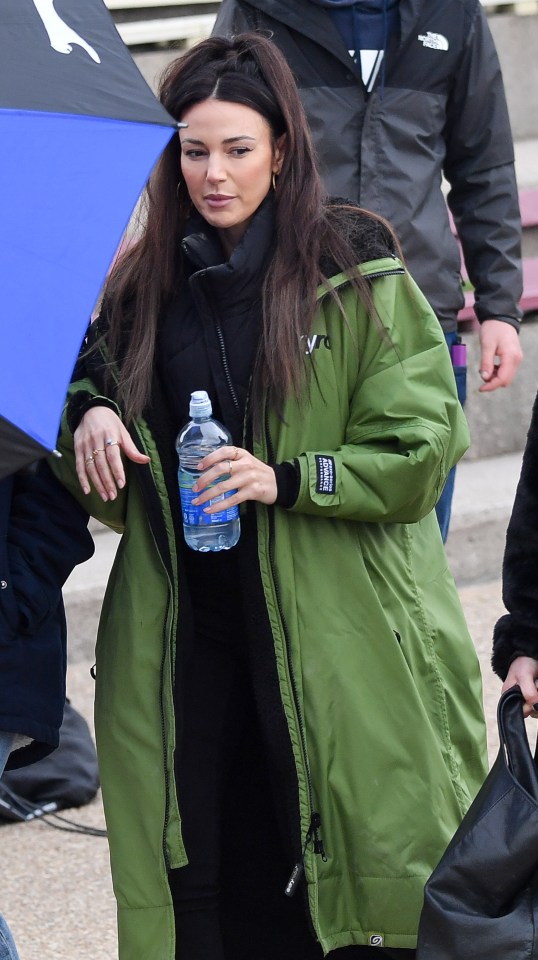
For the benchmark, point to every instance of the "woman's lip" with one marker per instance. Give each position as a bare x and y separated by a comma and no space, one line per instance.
217,199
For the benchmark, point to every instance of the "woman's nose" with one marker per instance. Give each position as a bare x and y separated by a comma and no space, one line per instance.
215,170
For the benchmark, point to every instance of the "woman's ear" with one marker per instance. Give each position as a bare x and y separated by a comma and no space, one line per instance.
279,153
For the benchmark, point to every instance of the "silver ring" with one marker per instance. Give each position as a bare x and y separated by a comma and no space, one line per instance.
89,460
111,442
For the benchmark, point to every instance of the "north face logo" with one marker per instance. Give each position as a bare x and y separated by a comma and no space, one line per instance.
435,41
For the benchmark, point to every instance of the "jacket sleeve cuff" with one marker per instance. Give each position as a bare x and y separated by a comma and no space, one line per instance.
512,321
288,481
511,640
82,401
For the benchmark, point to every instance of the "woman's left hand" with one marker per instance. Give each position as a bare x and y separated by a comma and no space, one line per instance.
524,672
250,478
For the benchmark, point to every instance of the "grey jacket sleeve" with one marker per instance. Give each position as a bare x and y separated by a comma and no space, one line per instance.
230,20
479,167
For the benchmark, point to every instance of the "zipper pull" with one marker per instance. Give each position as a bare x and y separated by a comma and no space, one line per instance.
319,849
298,870
315,824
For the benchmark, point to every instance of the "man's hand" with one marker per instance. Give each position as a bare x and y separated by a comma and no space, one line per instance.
498,340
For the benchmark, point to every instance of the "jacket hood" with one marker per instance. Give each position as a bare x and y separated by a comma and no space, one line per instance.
368,236
303,16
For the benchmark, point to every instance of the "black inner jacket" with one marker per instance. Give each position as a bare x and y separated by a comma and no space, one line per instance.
210,332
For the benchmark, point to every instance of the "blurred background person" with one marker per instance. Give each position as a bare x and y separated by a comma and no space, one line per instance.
43,536
399,94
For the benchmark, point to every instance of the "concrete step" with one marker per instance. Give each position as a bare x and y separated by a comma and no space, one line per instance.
84,591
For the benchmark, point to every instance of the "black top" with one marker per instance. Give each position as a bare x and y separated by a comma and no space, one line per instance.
210,333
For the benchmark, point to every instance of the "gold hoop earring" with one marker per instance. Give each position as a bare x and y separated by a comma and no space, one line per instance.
273,180
180,184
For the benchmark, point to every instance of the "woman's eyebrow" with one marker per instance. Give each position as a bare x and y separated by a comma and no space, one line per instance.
242,136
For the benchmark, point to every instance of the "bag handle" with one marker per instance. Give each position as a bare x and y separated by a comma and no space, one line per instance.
514,742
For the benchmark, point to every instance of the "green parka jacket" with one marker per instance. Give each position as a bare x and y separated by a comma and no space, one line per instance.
377,677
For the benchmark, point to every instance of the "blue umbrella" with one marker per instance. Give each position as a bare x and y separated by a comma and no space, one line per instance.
80,131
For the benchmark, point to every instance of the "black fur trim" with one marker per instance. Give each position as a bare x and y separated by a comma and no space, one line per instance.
517,632
369,236
511,640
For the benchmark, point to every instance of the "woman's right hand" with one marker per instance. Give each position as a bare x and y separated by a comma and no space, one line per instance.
524,672
99,439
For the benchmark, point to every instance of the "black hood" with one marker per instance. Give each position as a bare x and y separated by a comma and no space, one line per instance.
304,17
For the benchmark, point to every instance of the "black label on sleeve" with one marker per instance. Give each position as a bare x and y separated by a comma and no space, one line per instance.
325,474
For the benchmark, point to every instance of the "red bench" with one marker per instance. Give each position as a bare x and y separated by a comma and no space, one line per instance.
528,202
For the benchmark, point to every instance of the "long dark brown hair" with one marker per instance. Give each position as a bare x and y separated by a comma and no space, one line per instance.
246,69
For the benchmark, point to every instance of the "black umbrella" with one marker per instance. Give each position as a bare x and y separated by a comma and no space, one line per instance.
80,131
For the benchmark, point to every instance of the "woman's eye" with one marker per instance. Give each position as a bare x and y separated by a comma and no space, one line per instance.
194,154
240,151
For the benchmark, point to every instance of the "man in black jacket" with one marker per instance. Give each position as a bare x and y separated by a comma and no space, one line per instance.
43,536
400,93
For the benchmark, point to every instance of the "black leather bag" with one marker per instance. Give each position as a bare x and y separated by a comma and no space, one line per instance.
481,901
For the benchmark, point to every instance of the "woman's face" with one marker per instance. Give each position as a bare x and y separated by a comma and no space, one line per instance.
227,161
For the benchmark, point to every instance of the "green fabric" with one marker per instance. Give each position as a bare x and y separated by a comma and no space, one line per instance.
374,642
394,727
134,727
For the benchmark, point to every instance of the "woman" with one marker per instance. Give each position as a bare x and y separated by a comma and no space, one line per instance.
302,713
515,639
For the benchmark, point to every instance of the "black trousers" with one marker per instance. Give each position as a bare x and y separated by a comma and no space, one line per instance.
223,911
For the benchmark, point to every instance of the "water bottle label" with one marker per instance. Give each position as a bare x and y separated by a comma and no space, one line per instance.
193,514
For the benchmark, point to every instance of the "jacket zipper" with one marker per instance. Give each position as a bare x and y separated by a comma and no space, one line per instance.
388,272
199,291
313,832
298,870
224,359
392,272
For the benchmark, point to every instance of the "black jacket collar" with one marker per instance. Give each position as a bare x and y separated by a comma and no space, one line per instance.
240,275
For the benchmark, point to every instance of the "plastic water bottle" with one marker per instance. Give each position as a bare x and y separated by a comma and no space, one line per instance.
202,435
